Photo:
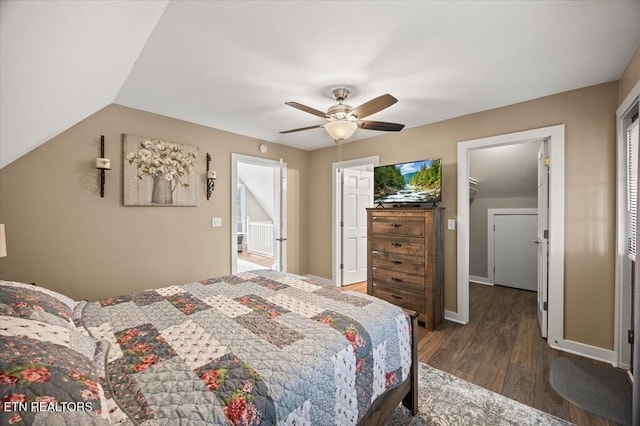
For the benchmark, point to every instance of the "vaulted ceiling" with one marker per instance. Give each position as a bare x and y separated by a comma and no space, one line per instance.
232,64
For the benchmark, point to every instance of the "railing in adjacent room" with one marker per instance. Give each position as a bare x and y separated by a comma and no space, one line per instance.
260,239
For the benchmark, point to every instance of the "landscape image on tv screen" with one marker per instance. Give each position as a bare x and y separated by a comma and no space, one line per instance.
413,182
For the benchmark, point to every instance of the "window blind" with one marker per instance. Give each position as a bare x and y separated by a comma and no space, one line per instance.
632,188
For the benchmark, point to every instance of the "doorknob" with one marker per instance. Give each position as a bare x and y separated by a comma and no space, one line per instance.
535,241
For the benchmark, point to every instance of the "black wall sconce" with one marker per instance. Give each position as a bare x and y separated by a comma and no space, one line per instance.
102,164
211,178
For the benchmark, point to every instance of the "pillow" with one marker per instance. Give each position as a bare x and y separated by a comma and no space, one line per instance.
49,375
28,301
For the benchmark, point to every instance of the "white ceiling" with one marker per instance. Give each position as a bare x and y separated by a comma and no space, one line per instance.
232,64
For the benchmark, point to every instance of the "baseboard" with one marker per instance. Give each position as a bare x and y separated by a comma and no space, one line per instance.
453,316
480,280
623,366
587,351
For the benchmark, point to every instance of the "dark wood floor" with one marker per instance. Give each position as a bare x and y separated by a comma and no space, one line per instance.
500,349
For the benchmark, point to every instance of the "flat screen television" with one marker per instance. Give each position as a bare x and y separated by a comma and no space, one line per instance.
414,182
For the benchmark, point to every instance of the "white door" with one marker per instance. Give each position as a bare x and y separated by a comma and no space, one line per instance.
542,239
357,195
280,230
515,254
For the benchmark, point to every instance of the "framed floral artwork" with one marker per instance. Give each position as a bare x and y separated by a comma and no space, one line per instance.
159,173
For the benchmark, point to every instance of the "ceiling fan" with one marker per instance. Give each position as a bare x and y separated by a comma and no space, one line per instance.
343,120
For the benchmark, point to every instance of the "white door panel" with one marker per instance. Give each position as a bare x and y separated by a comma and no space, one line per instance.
515,254
365,201
357,195
351,253
280,261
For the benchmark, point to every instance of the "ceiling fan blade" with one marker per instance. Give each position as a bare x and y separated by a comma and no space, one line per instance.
380,125
301,129
373,106
305,108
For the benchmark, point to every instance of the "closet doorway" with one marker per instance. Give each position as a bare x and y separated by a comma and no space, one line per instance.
553,310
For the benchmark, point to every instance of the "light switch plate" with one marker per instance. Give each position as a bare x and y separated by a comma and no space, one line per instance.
451,224
216,222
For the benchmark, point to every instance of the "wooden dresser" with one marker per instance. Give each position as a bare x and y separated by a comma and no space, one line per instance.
405,260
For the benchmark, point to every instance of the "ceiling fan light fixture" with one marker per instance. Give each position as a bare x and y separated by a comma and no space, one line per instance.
341,130
343,120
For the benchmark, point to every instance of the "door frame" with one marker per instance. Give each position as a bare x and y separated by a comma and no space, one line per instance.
555,135
622,320
336,196
282,215
542,240
491,214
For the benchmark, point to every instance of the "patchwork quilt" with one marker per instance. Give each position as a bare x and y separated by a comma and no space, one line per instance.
259,347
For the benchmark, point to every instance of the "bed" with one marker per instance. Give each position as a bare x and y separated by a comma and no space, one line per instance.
259,347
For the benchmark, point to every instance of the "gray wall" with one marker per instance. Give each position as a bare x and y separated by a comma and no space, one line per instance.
478,228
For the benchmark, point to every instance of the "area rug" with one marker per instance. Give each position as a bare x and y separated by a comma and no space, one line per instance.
444,399
601,390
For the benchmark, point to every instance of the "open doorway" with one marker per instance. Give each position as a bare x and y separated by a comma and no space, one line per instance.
626,228
258,204
554,136
507,220
505,183
352,194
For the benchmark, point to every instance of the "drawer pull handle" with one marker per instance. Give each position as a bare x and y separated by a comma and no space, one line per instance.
396,244
396,279
396,262
396,297
396,225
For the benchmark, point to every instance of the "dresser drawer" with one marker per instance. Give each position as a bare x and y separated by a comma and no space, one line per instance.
399,245
400,298
383,225
398,280
403,262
